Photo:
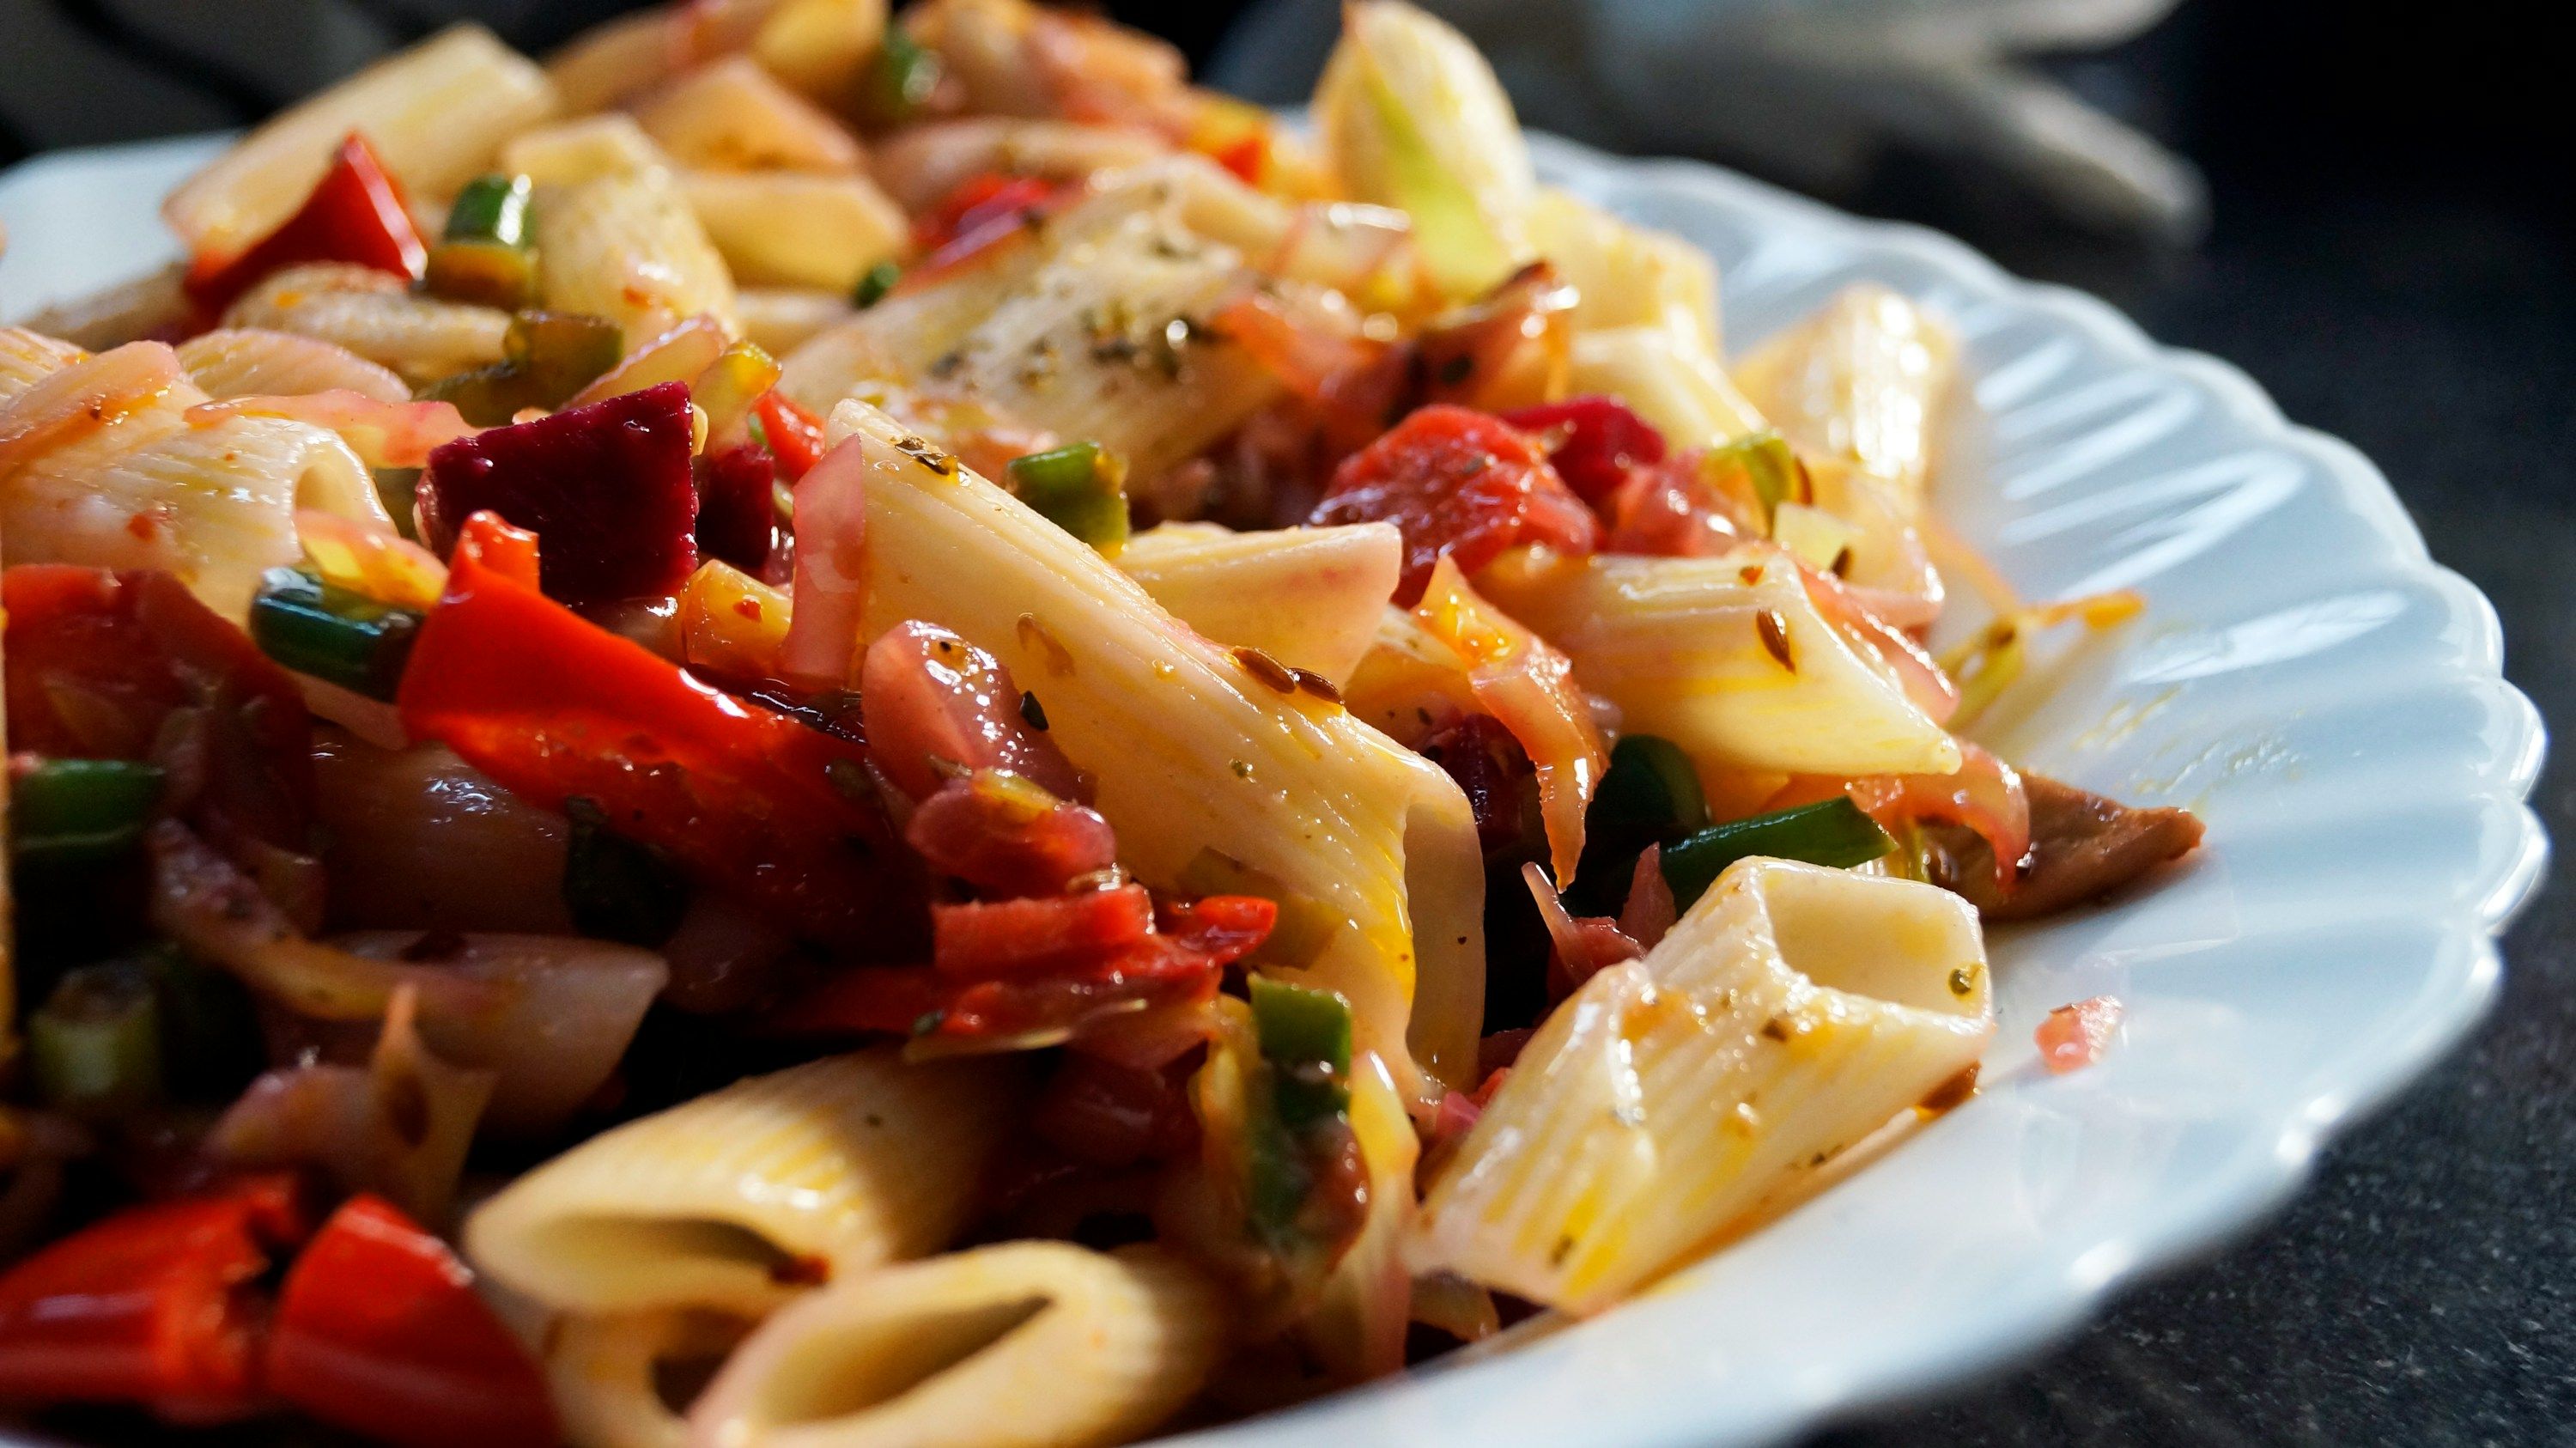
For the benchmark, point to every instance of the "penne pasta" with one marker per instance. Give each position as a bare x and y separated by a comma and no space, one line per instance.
778,320
1727,657
733,1199
785,228
1308,597
249,362
1861,382
627,247
1625,275
569,152
375,315
435,114
922,164
606,1373
1194,752
212,502
27,357
1792,1012
614,60
732,115
1021,1345
1668,379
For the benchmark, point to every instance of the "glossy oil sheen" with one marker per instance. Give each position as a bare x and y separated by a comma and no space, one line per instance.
2327,697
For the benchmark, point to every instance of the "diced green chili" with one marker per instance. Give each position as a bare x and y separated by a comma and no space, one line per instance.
95,1044
546,358
873,286
1832,832
1306,1038
1080,488
902,80
70,811
486,255
335,635
616,888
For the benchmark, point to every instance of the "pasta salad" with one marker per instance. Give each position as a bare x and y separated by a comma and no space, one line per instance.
814,728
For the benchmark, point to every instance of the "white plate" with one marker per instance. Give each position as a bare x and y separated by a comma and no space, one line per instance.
2327,697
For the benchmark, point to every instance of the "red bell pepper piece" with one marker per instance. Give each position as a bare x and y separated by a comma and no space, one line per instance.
1592,442
379,1330
154,1306
795,435
608,486
355,214
1461,483
555,707
99,662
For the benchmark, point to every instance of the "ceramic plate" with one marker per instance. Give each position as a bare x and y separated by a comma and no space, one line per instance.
2306,678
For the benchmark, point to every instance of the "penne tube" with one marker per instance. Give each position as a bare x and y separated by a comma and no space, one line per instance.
569,152
628,248
733,115
789,229
1668,379
1626,275
1727,657
1794,1011
1862,382
605,1373
250,362
1020,1345
735,1199
1194,751
614,59
1308,597
921,164
778,320
27,357
375,315
435,114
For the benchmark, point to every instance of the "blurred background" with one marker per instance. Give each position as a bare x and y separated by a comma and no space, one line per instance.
2369,208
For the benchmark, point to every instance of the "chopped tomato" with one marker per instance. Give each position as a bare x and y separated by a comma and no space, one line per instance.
1672,509
1006,837
608,486
1461,485
379,1331
154,1306
2075,1036
795,435
131,666
355,214
933,702
554,707
1017,939
1592,442
1178,964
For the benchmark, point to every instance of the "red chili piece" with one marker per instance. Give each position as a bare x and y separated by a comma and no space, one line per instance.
355,214
608,486
1461,483
379,1331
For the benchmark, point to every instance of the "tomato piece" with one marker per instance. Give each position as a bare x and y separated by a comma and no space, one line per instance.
153,1306
355,214
1006,838
2075,1036
101,662
1055,934
927,695
607,486
1592,442
1460,484
553,706
379,1330
795,435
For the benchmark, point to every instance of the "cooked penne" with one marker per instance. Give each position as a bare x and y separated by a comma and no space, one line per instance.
1308,597
1792,1012
607,1373
435,115
1727,657
614,60
1023,1345
1861,381
1625,275
211,502
1668,379
126,312
248,362
376,316
923,164
733,115
627,247
582,150
779,320
735,1198
27,357
1196,752
790,229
